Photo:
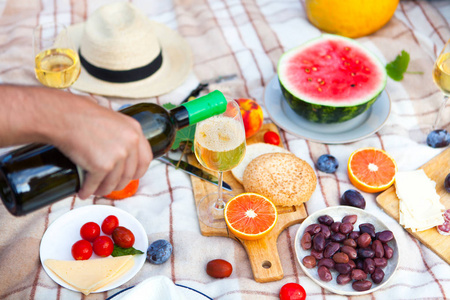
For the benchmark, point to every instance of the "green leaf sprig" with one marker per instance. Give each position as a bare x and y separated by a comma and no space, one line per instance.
119,251
396,68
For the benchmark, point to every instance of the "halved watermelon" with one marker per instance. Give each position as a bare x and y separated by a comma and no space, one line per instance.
330,79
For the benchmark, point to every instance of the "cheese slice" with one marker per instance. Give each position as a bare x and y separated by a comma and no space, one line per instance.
90,275
419,204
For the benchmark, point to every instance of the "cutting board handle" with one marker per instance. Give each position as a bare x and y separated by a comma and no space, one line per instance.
264,259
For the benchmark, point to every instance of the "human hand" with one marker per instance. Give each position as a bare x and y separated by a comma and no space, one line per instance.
109,146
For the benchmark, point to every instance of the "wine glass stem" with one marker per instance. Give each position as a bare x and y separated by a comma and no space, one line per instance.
439,113
220,204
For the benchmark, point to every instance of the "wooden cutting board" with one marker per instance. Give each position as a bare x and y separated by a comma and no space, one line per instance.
436,169
262,253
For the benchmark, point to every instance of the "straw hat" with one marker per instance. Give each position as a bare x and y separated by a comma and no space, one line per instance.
125,54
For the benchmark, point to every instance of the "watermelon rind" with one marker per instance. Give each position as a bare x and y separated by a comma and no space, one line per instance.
318,111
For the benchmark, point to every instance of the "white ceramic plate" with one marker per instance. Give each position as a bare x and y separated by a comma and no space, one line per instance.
65,231
337,213
188,292
352,130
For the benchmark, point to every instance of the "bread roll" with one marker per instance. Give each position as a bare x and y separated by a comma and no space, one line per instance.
283,178
252,152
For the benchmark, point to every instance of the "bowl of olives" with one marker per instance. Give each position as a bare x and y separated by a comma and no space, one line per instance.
346,250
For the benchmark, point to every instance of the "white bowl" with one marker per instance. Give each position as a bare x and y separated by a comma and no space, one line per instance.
337,213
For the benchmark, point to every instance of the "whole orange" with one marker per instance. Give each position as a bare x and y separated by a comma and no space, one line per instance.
252,115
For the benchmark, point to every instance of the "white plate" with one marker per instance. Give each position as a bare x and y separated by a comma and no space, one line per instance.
352,130
65,231
337,213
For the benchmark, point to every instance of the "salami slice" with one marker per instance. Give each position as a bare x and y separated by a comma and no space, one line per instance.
447,215
444,229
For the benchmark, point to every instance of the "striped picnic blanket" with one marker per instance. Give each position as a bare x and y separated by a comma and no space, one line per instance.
246,38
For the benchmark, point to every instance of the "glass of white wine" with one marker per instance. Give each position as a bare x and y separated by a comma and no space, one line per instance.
57,64
219,145
441,77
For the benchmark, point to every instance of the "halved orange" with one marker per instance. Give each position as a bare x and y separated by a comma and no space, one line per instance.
371,170
250,216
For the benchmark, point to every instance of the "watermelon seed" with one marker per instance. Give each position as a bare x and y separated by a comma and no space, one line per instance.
322,82
328,56
347,63
352,85
307,70
367,69
343,58
319,89
309,79
353,74
347,49
314,68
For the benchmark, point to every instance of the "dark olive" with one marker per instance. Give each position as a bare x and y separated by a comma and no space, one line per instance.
324,273
388,251
335,226
377,275
384,236
350,251
350,219
366,253
368,228
361,285
343,279
350,242
338,237
325,230
343,268
346,228
340,258
354,235
317,254
330,250
309,261
364,240
313,229
325,219
327,262
380,262
306,241
369,265
358,274
319,241
377,246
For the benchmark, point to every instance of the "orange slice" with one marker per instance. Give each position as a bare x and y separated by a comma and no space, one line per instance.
371,170
250,216
126,192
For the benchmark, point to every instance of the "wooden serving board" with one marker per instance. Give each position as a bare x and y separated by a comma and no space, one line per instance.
436,169
262,253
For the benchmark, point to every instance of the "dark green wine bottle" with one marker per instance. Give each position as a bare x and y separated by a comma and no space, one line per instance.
36,175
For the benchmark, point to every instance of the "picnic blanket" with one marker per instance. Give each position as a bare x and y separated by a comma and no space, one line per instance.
245,38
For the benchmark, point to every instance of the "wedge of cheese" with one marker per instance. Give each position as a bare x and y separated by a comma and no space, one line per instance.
419,205
87,276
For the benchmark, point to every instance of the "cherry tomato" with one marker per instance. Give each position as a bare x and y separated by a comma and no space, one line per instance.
123,237
109,224
271,137
90,231
292,291
82,250
103,246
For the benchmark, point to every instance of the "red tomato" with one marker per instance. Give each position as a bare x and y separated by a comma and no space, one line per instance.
82,250
292,291
271,137
109,224
123,237
103,246
90,231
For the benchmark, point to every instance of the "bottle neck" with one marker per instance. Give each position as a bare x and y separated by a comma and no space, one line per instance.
180,116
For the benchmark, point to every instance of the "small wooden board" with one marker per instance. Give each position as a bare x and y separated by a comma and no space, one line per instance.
262,253
436,169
